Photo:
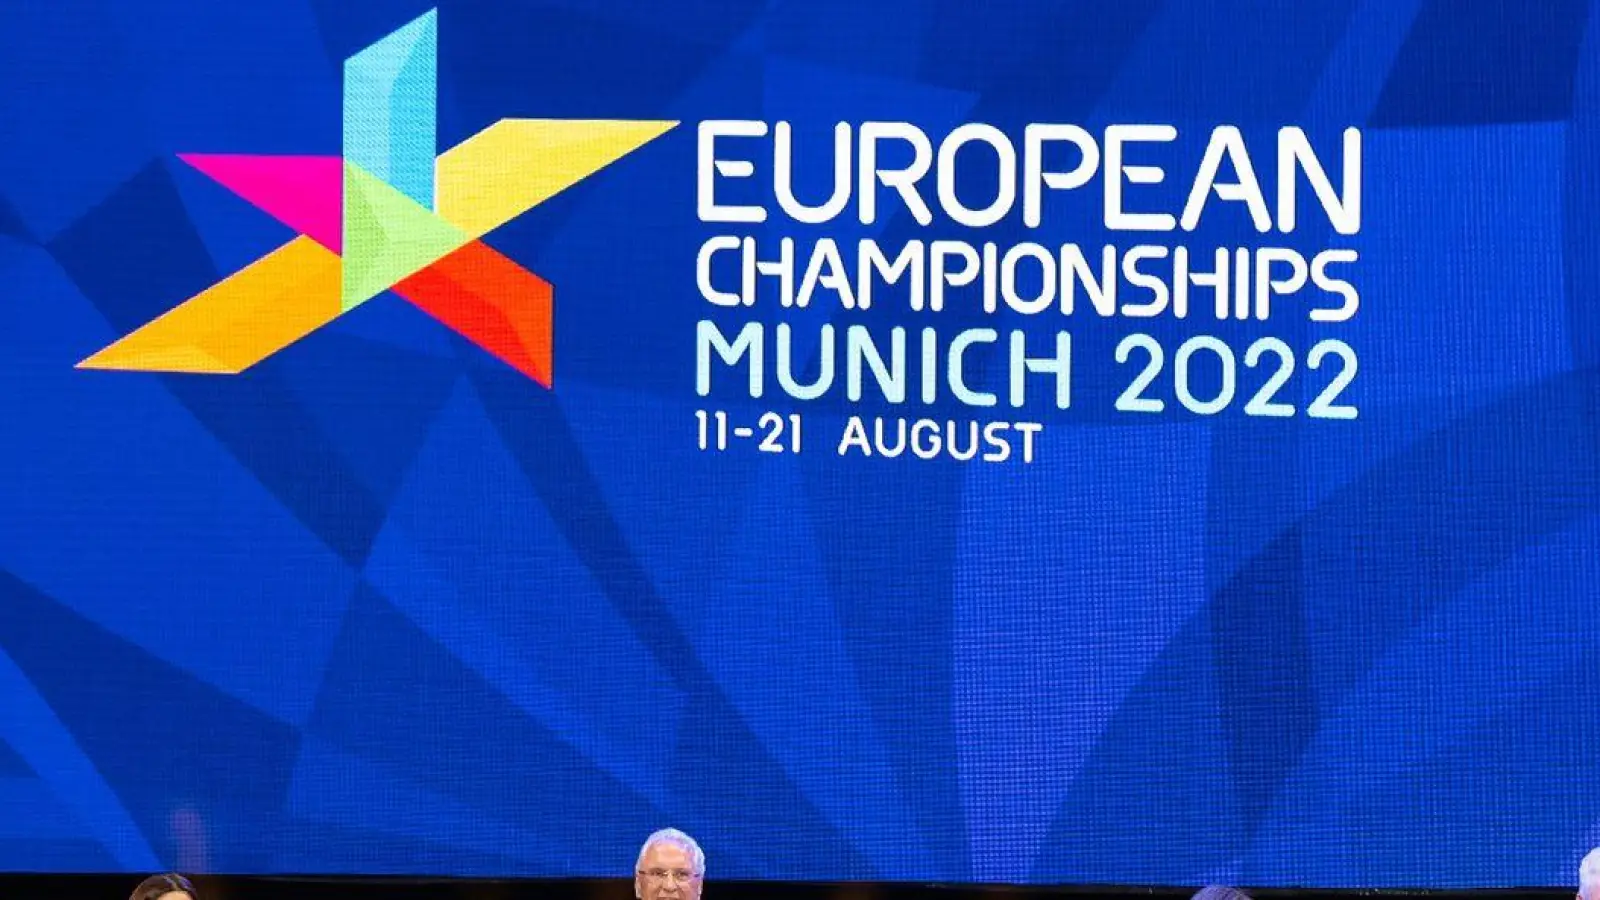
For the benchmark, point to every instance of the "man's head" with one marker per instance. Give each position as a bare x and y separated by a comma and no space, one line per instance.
1589,876
1220,892
671,867
164,887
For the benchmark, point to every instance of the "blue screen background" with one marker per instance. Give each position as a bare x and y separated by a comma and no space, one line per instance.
381,604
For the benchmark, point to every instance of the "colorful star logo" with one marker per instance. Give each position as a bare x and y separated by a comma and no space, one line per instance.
387,215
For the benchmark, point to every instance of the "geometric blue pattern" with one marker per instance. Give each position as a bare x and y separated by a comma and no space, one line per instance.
1484,63
379,605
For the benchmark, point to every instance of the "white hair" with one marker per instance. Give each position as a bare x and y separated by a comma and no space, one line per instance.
697,857
1589,874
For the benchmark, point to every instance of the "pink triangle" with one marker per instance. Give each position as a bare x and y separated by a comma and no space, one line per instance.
303,192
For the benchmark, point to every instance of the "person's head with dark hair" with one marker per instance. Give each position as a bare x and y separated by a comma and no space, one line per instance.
165,887
1220,892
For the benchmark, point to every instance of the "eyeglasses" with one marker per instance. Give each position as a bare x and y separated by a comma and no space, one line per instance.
682,876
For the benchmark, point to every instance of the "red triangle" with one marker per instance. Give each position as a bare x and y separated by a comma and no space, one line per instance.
493,302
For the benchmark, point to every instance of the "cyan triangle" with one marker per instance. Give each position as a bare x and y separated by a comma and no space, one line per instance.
390,108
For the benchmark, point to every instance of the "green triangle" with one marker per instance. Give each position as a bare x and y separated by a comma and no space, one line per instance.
387,237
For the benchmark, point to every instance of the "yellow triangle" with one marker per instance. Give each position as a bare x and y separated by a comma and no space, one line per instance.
516,164
238,321
143,357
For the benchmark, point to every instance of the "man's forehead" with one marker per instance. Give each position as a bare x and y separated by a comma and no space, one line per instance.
664,853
